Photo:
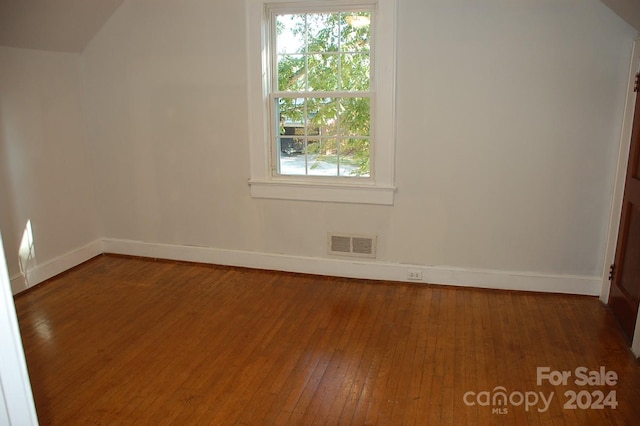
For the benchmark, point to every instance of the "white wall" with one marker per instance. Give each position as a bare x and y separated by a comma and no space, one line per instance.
45,173
508,116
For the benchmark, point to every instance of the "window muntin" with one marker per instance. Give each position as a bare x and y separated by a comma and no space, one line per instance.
321,102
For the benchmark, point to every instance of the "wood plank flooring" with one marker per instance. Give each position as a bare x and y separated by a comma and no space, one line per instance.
129,341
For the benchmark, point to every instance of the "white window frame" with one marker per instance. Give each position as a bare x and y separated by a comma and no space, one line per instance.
379,187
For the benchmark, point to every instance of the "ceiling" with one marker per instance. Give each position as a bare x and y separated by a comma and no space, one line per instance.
68,25
629,10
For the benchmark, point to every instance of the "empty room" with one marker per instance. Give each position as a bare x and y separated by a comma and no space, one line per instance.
296,212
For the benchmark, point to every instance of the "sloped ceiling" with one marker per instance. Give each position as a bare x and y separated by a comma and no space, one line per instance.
68,25
58,25
629,10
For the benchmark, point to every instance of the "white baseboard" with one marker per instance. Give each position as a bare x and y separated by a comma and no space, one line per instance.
351,268
53,267
355,268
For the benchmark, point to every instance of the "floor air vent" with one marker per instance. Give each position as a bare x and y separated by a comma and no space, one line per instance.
352,245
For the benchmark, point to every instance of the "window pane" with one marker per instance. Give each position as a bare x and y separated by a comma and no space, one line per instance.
323,72
290,33
323,32
355,72
291,73
354,157
356,32
355,117
292,165
322,115
290,126
324,160
314,146
290,146
290,112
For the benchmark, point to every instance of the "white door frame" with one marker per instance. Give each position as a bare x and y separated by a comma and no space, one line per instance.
16,400
618,191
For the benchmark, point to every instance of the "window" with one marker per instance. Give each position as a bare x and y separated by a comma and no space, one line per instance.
321,100
320,93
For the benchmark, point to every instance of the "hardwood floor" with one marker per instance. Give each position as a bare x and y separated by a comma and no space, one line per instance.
124,341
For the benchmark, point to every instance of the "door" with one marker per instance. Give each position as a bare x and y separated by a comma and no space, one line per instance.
16,400
624,297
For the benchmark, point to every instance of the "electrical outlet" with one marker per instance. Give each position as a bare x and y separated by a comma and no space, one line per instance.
414,275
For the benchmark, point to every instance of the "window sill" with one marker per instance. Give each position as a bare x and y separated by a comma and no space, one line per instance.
337,193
